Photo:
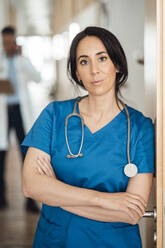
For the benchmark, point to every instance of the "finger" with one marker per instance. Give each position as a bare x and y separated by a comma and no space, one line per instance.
139,205
44,167
39,169
136,201
47,161
136,208
129,213
41,172
41,166
135,217
47,166
137,197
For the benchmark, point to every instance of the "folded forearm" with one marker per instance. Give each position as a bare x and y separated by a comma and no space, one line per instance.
56,193
40,183
108,207
99,214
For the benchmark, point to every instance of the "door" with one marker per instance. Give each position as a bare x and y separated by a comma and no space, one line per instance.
160,124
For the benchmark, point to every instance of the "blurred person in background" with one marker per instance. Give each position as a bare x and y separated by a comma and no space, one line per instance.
15,110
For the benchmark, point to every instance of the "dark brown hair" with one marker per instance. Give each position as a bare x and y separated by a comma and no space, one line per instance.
8,30
114,50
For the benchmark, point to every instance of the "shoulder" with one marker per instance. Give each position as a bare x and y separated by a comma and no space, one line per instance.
139,122
58,107
65,103
138,117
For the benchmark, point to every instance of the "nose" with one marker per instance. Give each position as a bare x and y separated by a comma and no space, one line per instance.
94,67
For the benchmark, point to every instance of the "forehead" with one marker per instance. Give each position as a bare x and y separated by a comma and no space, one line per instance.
89,45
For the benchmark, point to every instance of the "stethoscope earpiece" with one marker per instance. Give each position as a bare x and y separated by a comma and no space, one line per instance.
74,156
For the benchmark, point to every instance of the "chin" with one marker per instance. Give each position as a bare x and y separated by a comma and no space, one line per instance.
101,92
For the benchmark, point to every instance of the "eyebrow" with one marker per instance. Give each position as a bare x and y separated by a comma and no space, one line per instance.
86,56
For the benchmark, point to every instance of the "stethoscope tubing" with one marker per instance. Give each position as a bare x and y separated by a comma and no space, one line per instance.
76,114
128,131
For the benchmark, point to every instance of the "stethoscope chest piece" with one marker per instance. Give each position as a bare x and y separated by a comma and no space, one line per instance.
130,170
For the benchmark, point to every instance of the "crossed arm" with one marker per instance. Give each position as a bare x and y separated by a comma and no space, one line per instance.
40,183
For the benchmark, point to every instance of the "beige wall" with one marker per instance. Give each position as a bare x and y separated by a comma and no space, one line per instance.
150,58
70,10
150,93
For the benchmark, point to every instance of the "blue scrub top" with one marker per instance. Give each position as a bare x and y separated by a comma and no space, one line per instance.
101,168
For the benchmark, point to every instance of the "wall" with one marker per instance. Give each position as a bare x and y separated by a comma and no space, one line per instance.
4,13
126,21
150,88
150,57
65,89
73,7
3,16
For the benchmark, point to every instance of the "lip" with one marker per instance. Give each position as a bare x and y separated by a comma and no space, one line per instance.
97,82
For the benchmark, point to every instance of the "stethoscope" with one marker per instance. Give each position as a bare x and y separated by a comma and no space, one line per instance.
130,169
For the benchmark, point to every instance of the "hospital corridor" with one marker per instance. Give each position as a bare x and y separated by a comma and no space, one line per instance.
58,59
17,225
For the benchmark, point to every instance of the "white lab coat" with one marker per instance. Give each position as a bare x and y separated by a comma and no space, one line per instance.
25,73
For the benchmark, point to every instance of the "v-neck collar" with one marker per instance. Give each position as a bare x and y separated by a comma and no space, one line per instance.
105,126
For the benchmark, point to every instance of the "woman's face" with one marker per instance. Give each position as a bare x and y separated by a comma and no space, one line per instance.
94,66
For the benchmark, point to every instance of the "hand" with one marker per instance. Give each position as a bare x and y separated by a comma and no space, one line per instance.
44,167
133,205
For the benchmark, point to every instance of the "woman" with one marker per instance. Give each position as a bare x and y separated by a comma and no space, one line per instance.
88,200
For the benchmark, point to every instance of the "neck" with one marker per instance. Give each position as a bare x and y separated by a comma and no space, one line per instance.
103,105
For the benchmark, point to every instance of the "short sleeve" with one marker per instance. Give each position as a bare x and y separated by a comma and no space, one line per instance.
40,134
145,148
